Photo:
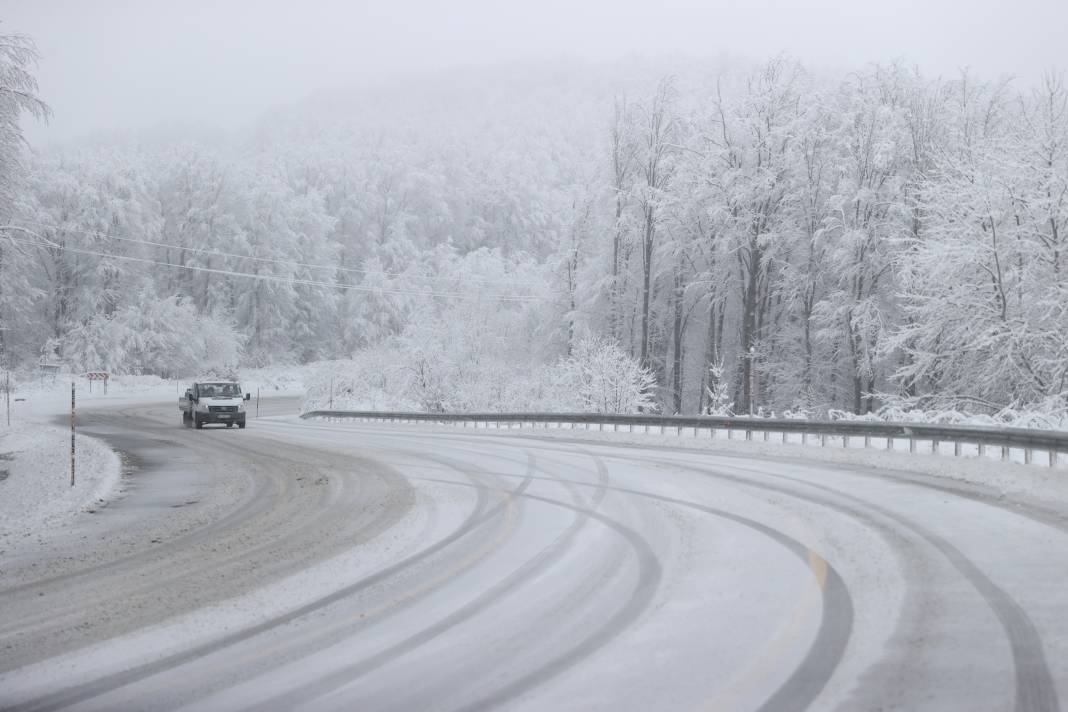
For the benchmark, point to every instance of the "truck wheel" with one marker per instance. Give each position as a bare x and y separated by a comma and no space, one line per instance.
229,425
241,425
186,421
198,422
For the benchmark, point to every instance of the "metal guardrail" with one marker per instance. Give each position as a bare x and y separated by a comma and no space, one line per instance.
1052,443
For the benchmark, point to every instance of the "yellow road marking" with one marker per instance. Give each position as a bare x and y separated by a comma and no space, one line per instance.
755,673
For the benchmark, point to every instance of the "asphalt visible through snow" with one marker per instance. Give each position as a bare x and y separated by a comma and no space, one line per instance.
322,566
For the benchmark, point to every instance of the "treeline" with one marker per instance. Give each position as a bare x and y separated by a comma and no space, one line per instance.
755,237
825,244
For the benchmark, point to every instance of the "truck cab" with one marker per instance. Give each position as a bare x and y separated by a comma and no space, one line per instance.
219,402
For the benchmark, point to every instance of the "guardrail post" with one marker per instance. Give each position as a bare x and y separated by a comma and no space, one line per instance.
784,437
845,441
1052,458
804,437
823,439
982,449
1004,453
956,448
889,442
867,442
1027,455
934,447
730,433
766,434
912,445
748,434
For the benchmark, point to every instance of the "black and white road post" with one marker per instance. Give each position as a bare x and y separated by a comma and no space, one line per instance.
72,433
752,380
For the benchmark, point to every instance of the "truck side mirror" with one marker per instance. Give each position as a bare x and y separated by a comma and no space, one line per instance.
248,396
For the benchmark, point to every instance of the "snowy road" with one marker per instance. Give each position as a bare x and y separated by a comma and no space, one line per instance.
300,565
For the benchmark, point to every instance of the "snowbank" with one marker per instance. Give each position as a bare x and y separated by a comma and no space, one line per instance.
275,380
35,488
1053,416
33,385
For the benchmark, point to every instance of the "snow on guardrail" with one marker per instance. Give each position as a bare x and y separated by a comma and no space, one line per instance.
960,440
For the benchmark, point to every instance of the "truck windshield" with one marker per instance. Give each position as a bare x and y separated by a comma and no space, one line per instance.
220,390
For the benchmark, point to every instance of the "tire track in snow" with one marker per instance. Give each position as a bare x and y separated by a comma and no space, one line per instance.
823,656
480,515
529,569
172,564
1035,690
797,692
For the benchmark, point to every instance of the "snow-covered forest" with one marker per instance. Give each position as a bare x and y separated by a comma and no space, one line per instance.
759,236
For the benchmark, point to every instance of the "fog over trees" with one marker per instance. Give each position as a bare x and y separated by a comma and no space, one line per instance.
761,235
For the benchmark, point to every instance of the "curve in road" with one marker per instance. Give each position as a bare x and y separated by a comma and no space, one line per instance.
300,565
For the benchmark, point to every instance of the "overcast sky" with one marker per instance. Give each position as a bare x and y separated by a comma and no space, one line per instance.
119,64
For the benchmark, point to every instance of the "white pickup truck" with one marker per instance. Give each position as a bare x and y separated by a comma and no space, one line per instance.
213,402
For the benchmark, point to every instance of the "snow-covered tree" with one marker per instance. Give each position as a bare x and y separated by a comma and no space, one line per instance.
165,337
18,97
607,380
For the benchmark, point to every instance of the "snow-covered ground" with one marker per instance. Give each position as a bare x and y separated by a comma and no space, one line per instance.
35,488
35,457
276,380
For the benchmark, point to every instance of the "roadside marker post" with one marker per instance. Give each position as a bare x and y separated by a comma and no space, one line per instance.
72,433
7,396
257,402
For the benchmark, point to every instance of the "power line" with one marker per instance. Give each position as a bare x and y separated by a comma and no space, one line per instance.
271,260
287,280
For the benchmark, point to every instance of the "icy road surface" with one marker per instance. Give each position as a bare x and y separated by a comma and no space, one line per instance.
304,565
